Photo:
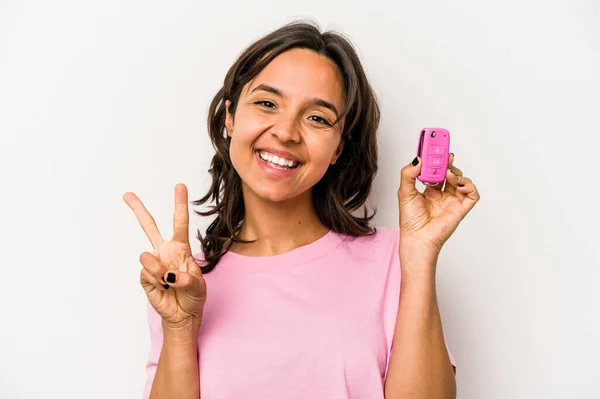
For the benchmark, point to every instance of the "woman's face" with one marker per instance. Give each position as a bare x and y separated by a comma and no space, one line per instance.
282,137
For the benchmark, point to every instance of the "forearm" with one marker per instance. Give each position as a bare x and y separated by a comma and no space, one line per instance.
177,370
419,366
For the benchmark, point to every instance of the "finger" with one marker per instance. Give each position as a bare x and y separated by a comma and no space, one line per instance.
150,283
448,187
153,266
471,195
459,183
146,220
455,170
181,218
408,176
179,279
450,174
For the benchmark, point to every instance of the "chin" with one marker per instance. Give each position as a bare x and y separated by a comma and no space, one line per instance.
273,195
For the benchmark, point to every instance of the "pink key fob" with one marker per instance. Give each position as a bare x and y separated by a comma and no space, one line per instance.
434,150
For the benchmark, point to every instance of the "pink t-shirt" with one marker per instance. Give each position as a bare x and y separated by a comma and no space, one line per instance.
315,322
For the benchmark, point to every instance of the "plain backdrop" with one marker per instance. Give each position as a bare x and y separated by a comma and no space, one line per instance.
100,98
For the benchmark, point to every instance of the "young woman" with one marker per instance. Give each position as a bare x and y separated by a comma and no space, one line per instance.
294,295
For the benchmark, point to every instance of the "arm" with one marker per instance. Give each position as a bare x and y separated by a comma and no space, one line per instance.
419,366
172,365
173,282
177,371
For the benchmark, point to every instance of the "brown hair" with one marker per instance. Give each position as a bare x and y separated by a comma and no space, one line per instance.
345,186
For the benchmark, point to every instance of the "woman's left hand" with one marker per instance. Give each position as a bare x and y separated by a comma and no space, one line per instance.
428,219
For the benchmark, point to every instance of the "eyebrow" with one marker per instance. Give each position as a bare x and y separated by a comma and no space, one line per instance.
316,101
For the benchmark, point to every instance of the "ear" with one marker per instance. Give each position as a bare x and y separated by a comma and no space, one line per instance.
228,118
337,152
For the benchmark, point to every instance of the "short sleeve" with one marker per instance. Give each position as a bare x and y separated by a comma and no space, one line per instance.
156,342
452,360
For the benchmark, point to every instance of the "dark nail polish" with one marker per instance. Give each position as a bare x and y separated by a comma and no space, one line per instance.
461,185
171,278
452,153
166,286
415,161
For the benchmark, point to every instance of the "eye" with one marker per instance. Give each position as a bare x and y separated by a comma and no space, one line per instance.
320,120
265,103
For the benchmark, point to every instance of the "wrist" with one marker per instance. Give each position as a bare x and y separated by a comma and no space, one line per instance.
417,264
417,278
413,250
184,332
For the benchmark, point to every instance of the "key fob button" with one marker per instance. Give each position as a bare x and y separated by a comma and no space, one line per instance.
436,162
436,150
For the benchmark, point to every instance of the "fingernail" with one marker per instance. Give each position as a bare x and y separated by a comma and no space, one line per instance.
171,278
415,161
461,185
166,286
452,153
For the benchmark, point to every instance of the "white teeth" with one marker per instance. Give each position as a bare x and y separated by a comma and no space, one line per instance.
274,159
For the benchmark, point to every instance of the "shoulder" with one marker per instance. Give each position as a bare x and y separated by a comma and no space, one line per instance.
386,235
381,244
383,236
199,258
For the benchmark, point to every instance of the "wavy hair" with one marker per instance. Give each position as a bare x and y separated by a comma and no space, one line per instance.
345,186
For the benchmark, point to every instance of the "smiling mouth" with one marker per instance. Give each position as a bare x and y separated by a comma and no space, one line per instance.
276,162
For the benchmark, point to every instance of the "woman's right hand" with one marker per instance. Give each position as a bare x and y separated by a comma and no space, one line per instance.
171,277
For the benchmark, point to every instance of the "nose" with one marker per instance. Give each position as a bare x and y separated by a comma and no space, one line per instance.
286,129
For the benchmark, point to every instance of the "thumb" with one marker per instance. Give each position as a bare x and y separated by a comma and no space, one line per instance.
408,176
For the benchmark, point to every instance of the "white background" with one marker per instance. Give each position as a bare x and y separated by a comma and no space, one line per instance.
100,98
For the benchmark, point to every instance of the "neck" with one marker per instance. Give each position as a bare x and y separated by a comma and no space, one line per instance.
278,227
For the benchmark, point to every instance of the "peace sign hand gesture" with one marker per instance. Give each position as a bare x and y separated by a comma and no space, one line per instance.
171,277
